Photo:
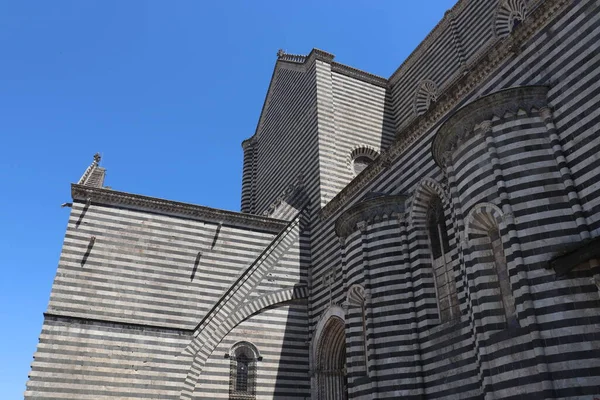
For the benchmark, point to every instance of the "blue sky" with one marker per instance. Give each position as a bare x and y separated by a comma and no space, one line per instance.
165,91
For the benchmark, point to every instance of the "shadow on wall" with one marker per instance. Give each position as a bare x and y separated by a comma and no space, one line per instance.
292,379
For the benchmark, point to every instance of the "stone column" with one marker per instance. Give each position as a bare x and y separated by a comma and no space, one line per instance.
565,172
415,337
248,176
371,353
342,241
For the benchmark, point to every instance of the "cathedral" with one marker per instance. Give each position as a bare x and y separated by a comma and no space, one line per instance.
430,235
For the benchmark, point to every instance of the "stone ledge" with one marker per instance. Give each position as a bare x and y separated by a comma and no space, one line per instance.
174,208
575,255
116,324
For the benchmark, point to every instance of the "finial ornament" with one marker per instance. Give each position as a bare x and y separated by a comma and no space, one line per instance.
97,158
280,53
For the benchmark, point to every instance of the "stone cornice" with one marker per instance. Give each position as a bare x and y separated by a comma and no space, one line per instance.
450,98
426,43
359,75
321,55
461,124
79,320
326,57
248,143
369,211
174,208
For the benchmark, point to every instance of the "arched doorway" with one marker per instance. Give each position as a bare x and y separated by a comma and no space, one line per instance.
331,361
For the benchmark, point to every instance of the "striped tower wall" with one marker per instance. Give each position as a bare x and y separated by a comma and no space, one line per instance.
543,163
135,277
286,137
248,172
352,116
317,112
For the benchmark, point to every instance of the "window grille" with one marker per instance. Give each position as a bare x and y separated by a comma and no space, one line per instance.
242,375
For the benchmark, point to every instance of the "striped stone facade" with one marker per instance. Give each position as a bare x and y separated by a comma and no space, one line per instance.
431,235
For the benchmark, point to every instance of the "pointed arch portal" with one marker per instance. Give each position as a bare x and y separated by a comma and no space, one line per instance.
331,361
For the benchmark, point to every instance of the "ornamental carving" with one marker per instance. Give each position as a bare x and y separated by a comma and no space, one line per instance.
426,93
509,14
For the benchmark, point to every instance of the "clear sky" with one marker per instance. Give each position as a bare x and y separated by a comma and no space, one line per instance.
165,91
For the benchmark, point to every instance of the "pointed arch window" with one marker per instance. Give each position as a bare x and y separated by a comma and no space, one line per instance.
242,379
439,244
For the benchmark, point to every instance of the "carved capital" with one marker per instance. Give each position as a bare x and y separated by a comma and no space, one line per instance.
484,126
546,114
362,226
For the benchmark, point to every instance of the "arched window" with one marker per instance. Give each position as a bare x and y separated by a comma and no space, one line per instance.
487,254
439,244
242,379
